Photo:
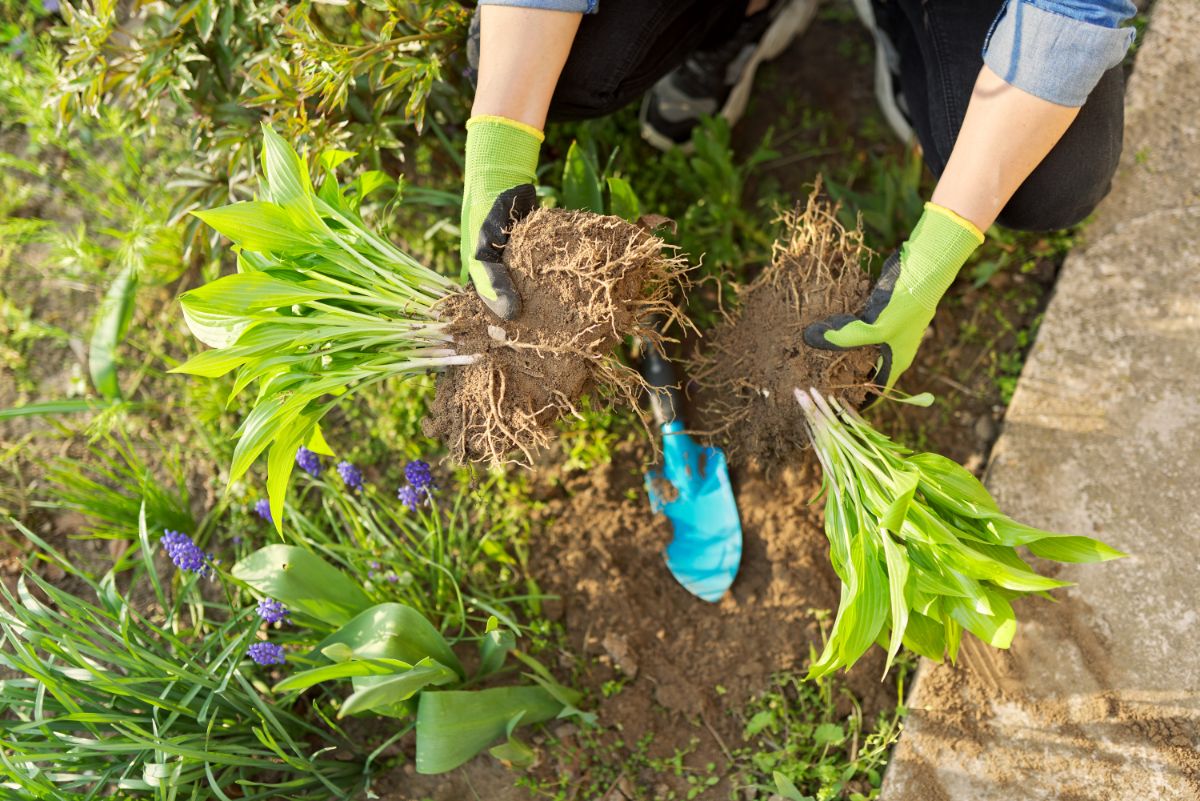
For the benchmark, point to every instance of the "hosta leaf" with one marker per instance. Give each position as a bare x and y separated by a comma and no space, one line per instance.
996,629
217,330
281,461
897,578
1074,549
212,363
288,182
455,725
244,294
261,226
868,608
952,484
925,636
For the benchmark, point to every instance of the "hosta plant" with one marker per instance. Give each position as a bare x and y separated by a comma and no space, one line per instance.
320,307
921,548
400,666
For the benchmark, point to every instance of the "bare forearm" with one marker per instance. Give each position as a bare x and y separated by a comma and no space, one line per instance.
1005,135
521,54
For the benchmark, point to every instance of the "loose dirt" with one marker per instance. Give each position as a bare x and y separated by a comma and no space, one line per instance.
743,381
586,282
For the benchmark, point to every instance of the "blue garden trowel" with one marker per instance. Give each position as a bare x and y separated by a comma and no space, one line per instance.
692,489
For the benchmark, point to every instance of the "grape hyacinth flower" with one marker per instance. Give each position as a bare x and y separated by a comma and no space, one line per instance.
351,475
308,461
262,507
184,553
271,611
419,475
266,653
410,496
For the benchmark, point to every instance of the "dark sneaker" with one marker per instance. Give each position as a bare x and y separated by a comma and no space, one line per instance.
887,73
718,81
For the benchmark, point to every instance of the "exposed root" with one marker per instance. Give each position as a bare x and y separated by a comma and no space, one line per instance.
745,377
586,283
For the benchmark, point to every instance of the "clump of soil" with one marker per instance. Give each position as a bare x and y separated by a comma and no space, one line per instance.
743,381
586,281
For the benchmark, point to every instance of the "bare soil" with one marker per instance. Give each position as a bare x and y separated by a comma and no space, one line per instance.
586,282
749,366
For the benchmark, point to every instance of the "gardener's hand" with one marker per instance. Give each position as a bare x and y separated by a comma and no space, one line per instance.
498,192
901,305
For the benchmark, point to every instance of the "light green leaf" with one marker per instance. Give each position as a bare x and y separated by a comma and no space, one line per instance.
897,570
622,201
331,159
581,184
317,443
394,631
260,226
786,789
1074,549
305,583
455,725
828,733
111,323
996,630
387,693
341,670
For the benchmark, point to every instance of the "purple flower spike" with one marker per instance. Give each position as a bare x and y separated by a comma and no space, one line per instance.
184,553
262,507
271,611
351,475
410,497
419,475
266,653
308,461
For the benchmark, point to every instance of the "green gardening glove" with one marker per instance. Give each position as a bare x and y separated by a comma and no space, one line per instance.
901,305
502,156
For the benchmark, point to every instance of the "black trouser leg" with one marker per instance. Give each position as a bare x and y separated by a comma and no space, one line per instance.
621,51
940,44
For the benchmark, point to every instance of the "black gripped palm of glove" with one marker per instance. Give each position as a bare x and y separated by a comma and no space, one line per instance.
902,303
511,206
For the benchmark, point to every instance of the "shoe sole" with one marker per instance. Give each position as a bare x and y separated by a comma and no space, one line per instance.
783,30
885,89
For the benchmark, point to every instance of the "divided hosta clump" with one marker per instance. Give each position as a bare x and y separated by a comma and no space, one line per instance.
322,307
921,548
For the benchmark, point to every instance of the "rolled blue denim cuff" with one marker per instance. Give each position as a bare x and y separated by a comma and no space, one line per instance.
573,6
1052,56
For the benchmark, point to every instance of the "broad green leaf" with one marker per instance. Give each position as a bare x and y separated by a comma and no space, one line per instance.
513,752
387,693
925,636
281,462
494,647
455,725
260,226
317,443
212,363
217,330
1074,549
897,570
243,294
111,323
288,182
258,430
581,184
341,670
786,789
331,159
305,583
394,631
952,484
893,517
622,201
996,630
867,611
828,733
367,183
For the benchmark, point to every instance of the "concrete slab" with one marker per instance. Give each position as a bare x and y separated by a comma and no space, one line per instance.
1099,697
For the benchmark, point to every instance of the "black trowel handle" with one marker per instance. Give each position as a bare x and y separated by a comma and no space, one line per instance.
665,401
